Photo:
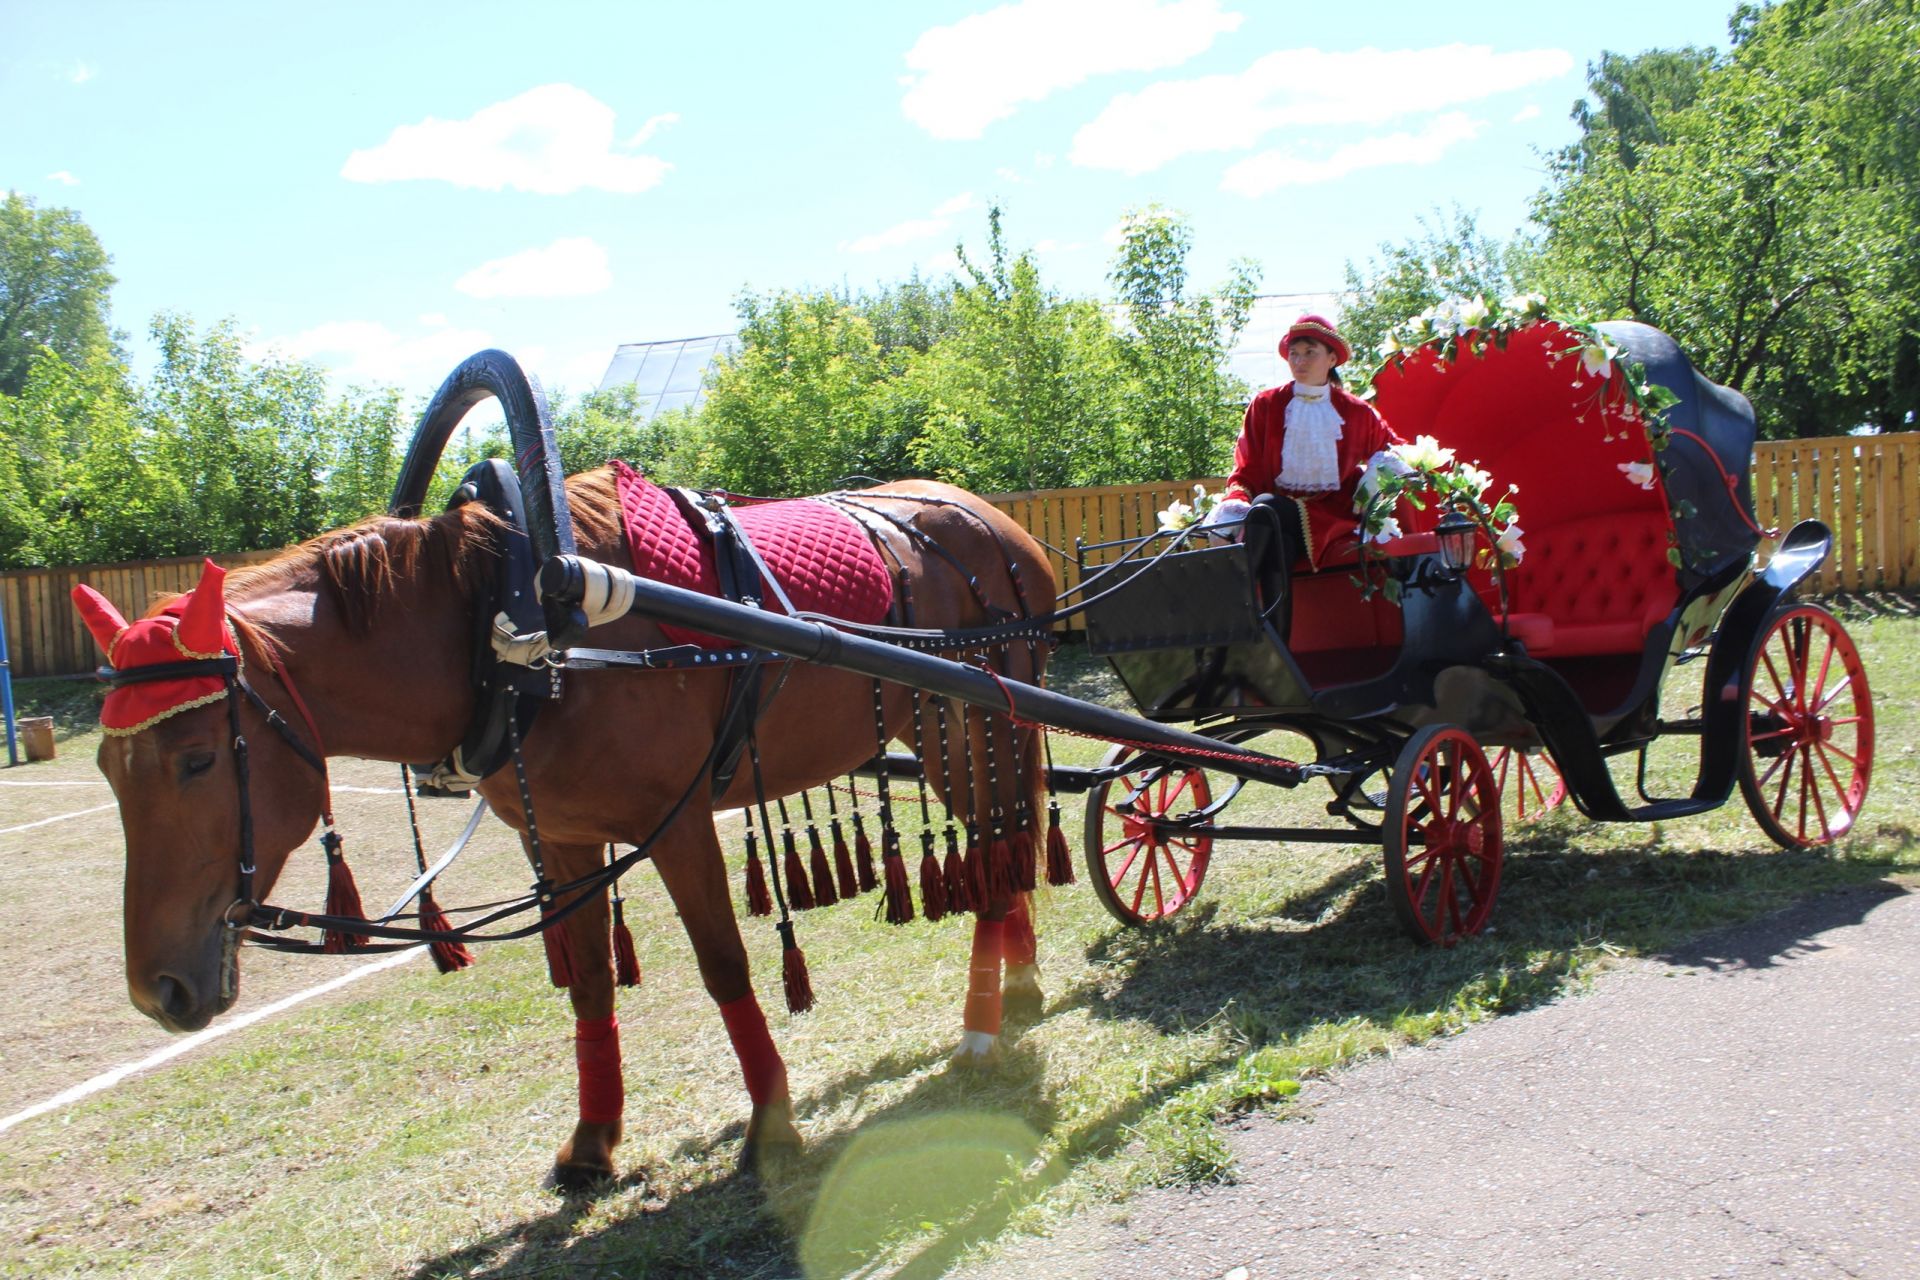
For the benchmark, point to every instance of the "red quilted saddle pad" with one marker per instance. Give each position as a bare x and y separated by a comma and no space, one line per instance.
820,555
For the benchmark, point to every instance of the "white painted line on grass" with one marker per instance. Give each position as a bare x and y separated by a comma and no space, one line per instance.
75,782
107,1079
80,813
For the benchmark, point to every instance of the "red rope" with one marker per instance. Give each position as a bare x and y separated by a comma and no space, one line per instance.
1733,482
1239,757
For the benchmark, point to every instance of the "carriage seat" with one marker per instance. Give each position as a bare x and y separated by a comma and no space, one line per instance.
1598,585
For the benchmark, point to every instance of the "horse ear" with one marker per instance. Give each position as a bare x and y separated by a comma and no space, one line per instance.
102,619
203,624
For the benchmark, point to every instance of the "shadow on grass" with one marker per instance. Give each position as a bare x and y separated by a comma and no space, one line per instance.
950,1164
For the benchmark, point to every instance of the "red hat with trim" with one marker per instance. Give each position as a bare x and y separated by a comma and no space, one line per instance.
1321,328
194,626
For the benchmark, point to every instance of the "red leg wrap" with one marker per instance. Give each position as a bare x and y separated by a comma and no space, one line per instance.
596,1051
983,977
1021,944
760,1063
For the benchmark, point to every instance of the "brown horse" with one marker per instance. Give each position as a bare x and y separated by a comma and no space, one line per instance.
371,627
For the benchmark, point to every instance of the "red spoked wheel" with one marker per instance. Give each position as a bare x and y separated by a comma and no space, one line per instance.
1530,784
1443,841
1809,749
1143,869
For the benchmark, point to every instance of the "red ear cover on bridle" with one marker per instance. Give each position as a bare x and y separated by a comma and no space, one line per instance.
102,619
203,626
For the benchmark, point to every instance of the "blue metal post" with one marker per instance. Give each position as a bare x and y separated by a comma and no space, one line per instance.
6,691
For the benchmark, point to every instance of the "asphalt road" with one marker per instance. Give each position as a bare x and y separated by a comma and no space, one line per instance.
1741,1108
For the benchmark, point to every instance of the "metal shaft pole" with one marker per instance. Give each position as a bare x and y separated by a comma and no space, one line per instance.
566,577
6,691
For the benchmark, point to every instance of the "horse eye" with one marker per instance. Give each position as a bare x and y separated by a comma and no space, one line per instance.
195,765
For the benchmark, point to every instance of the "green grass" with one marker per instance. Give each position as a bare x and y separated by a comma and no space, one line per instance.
402,1129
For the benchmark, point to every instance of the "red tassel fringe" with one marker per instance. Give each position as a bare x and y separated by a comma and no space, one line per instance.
447,956
343,899
793,972
976,870
1023,860
843,863
823,892
999,867
958,899
1059,857
626,961
863,850
799,892
759,901
933,886
899,897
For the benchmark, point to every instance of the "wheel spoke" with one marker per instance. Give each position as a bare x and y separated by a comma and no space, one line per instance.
1120,873
1826,699
1159,898
1813,789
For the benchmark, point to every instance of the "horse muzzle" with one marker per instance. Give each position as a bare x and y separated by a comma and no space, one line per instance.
186,997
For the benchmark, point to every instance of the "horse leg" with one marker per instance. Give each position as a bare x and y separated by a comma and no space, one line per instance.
587,1156
695,873
1021,997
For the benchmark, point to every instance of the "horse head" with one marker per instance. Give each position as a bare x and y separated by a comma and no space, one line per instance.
172,755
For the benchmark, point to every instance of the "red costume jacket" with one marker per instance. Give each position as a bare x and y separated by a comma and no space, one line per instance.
1256,462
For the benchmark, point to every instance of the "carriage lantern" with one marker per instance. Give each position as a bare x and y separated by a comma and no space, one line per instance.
1455,534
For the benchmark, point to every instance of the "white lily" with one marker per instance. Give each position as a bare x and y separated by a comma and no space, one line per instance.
1597,358
1639,473
1178,515
1389,530
1475,477
1530,305
1424,454
1509,542
1474,312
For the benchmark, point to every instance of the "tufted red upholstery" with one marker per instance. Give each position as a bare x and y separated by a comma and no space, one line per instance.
822,558
1592,586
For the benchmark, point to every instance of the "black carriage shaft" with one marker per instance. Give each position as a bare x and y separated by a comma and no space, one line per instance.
565,577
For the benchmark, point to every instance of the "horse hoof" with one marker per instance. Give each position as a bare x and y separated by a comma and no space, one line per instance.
574,1178
978,1051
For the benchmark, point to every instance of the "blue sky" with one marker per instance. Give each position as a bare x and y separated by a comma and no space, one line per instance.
385,188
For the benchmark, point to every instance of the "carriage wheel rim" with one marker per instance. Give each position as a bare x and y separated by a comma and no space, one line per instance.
1444,843
1809,750
1537,787
1149,874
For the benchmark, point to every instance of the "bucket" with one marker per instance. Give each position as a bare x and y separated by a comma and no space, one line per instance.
36,736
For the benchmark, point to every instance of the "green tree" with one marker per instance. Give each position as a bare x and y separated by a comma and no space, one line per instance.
1181,407
1770,222
53,289
1026,391
1450,258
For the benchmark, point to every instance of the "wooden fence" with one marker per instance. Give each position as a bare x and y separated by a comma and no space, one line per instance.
1866,488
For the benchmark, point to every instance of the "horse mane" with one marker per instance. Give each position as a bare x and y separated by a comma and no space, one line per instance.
364,566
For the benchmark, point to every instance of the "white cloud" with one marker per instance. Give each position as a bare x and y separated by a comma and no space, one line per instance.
80,74
651,127
363,352
552,140
914,229
1009,176
1322,95
568,268
1291,167
964,77
64,178
1528,112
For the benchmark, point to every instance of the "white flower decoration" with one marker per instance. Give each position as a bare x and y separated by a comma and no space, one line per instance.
1639,473
1474,312
1178,515
1389,530
1474,476
1509,542
1597,358
1424,454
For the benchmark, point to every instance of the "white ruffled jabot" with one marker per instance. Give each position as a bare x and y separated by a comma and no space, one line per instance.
1310,452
